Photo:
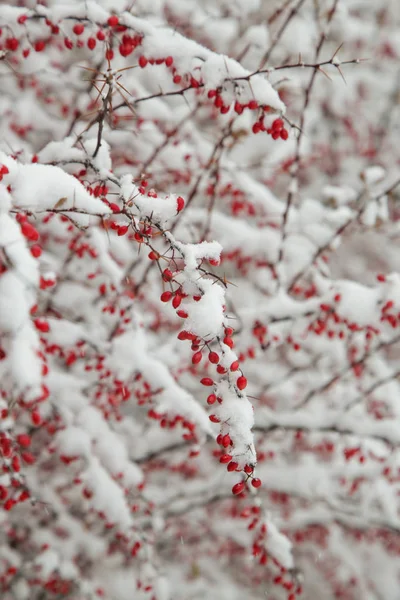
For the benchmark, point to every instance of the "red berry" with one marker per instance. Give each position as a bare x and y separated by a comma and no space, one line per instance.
36,251
226,441
8,504
39,46
241,382
238,488
213,358
212,398
113,21
177,300
225,458
24,440
125,49
36,418
180,203
169,61
207,381
91,43
122,230
228,341
101,36
12,44
284,134
232,466
167,275
256,483
42,325
277,124
166,296
27,457
78,29
196,358
29,231
142,61
214,419
16,464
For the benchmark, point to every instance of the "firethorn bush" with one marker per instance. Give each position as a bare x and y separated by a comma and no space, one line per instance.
199,303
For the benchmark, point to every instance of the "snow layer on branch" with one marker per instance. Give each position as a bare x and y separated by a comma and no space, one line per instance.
191,57
129,354
237,411
279,546
206,316
42,187
159,209
108,496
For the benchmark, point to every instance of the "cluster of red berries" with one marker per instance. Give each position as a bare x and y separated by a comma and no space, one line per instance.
13,452
27,229
171,423
276,131
239,107
144,61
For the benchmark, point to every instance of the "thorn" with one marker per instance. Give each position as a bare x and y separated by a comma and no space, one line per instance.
323,72
340,71
336,51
